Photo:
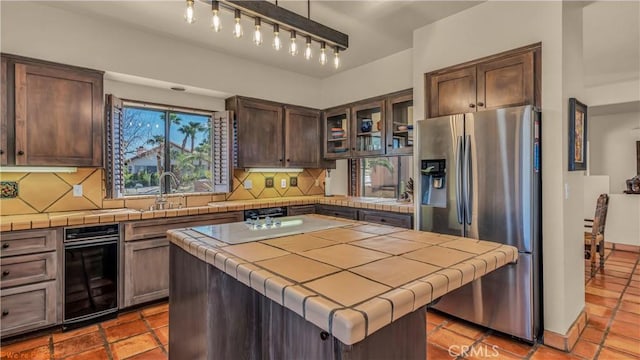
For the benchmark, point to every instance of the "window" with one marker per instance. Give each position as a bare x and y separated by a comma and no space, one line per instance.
146,141
385,177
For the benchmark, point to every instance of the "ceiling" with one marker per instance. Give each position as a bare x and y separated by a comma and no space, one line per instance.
376,29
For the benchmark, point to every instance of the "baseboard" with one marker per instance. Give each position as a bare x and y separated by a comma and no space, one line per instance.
567,341
622,247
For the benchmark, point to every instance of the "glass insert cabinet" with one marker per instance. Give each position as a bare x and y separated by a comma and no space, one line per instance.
373,127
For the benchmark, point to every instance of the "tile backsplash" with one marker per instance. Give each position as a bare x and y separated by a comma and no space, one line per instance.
53,192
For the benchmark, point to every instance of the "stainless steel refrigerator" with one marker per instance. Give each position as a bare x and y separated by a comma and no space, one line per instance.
480,178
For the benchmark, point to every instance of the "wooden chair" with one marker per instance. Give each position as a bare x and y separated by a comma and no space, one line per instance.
594,240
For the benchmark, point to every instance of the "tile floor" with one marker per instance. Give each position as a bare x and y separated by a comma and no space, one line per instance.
613,330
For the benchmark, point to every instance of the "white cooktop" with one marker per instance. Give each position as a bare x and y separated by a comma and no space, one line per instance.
243,232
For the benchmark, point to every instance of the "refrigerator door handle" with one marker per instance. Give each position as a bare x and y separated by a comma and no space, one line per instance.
459,152
467,179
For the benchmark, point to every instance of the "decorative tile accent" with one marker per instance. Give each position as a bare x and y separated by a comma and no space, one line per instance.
8,189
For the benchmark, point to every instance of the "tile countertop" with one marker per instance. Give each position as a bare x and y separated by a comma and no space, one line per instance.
343,279
80,217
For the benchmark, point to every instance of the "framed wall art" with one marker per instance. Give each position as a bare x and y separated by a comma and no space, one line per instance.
577,135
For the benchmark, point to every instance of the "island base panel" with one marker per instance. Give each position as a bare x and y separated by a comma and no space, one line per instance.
214,316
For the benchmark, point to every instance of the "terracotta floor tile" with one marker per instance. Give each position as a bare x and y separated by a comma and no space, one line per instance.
598,310
158,320
95,354
464,329
431,327
155,354
62,336
445,338
163,334
155,309
20,346
77,344
121,319
611,354
632,290
547,353
600,280
37,353
631,330
436,318
435,352
484,351
600,300
622,343
598,322
592,334
133,346
131,328
607,285
590,289
634,284
508,345
630,307
627,316
585,349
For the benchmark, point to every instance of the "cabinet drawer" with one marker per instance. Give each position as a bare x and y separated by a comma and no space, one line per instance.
149,229
27,269
28,242
387,218
28,307
337,211
301,210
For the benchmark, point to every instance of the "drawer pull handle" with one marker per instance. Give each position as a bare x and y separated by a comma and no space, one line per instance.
6,273
5,245
382,220
20,152
5,312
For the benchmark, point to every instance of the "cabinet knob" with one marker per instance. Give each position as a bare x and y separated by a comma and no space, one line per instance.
288,160
324,335
383,220
480,103
390,145
353,148
5,245
1,152
5,312
280,160
6,273
472,105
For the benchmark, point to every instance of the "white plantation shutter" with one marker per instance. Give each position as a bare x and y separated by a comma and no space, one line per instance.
114,152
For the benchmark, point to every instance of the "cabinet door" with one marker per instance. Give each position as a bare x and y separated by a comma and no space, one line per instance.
337,133
452,92
26,308
61,104
259,134
303,138
367,123
3,111
387,218
146,270
399,121
506,82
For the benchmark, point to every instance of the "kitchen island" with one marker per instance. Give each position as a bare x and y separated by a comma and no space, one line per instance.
314,287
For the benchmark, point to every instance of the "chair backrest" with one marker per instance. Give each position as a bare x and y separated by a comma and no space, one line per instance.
600,217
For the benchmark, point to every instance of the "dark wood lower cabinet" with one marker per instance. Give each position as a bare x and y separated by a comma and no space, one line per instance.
337,211
214,316
146,271
28,307
387,218
301,210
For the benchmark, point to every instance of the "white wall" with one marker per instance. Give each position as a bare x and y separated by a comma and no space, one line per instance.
44,32
156,95
383,76
491,28
612,147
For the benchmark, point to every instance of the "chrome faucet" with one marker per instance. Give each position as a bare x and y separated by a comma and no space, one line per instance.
162,200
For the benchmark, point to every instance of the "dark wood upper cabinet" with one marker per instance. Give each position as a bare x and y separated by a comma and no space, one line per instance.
260,141
337,132
302,135
503,80
56,114
506,82
368,128
399,122
452,92
271,134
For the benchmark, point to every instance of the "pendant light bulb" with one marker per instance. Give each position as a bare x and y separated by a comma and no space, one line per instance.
293,47
215,19
336,58
307,51
189,12
257,34
277,43
237,28
323,53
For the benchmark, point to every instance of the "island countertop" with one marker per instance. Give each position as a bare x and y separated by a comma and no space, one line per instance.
353,278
